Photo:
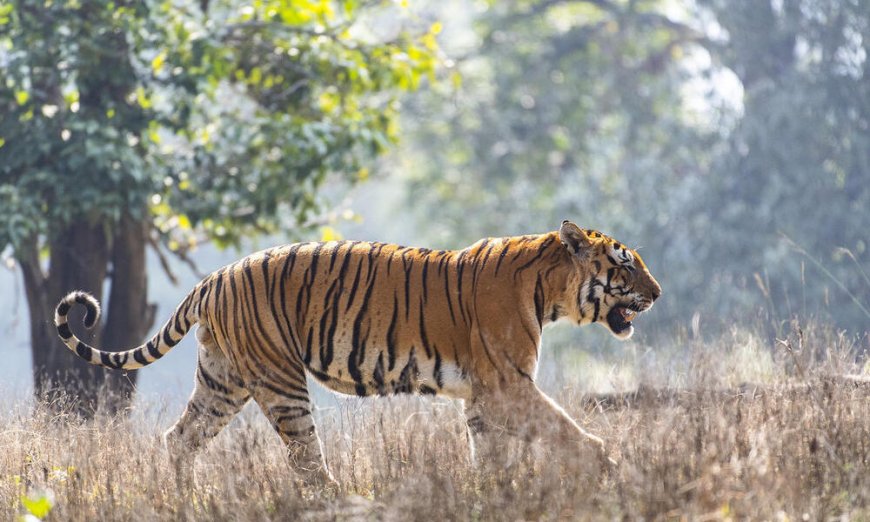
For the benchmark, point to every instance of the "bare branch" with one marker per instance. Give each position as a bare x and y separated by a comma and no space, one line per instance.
164,263
182,255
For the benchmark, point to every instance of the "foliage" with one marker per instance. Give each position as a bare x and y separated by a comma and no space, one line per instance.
567,109
225,120
699,131
798,163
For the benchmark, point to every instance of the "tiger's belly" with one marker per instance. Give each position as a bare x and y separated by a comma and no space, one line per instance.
409,374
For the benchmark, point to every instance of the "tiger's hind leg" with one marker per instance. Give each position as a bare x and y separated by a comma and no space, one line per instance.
218,395
288,407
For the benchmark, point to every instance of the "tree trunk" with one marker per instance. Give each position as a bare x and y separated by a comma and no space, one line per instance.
130,316
79,260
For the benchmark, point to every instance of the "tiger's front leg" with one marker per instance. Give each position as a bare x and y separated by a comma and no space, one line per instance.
523,410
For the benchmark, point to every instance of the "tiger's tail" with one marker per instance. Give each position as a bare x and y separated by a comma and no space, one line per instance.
185,316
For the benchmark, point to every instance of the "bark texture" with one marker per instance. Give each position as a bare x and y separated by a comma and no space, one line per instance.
80,259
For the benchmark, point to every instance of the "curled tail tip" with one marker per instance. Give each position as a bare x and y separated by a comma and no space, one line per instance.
92,314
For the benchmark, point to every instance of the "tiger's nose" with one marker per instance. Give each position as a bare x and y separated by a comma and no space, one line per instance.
656,294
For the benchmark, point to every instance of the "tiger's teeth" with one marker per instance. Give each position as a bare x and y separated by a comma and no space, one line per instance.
628,315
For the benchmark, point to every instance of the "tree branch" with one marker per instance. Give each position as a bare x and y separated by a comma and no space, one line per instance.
164,263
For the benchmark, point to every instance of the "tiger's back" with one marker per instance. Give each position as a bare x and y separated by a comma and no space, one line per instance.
363,318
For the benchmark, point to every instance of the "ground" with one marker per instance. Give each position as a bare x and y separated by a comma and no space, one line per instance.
796,446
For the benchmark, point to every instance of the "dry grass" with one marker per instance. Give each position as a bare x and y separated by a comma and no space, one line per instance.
795,453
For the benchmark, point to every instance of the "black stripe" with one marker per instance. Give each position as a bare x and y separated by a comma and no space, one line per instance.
358,342
121,358
460,268
476,424
289,409
423,337
139,357
407,267
409,375
293,417
90,315
536,257
378,375
220,298
270,283
301,293
64,331
427,390
266,350
327,357
487,254
610,274
153,351
447,294
210,381
84,351
441,262
315,258
309,339
332,255
282,392
436,373
539,301
554,315
63,308
289,262
320,376
391,335
179,312
229,402
167,339
324,341
519,370
106,360
487,351
354,286
374,252
424,279
480,264
503,253
298,433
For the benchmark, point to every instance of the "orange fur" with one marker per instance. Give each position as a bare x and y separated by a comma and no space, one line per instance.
372,318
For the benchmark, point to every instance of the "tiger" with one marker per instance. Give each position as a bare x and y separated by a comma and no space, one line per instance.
369,318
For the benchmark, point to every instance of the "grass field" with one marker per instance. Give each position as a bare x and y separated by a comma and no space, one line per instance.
796,447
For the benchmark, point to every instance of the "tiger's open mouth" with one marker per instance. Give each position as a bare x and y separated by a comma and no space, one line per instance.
619,318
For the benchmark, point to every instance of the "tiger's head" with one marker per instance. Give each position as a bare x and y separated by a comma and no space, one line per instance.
610,283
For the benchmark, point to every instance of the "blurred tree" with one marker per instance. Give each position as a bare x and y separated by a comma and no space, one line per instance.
128,123
564,108
798,163
700,131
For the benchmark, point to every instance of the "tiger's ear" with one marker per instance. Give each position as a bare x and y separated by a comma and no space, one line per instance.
574,239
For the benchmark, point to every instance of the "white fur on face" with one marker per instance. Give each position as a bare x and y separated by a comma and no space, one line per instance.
622,254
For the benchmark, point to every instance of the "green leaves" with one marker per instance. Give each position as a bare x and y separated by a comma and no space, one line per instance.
229,120
5,12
